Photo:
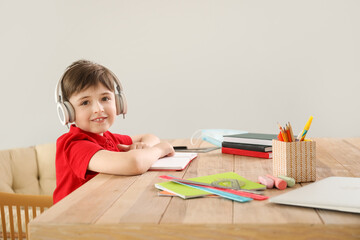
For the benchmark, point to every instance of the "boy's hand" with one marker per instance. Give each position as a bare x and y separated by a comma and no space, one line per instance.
167,149
137,145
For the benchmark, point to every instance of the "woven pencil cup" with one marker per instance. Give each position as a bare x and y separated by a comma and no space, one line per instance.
295,159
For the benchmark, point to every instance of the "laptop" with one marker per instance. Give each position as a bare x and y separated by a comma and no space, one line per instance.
333,193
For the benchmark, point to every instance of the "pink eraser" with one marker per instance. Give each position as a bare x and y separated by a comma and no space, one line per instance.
268,182
279,183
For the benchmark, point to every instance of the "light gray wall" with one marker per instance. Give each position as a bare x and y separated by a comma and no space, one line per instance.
186,65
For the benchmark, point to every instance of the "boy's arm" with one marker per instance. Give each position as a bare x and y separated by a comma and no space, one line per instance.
148,139
132,162
140,142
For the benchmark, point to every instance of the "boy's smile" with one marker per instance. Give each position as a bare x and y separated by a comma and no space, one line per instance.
101,119
95,109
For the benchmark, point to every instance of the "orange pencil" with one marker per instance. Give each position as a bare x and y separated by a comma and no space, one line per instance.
280,137
287,130
283,133
291,133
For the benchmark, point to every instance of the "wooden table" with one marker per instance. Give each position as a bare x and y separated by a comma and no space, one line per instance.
117,207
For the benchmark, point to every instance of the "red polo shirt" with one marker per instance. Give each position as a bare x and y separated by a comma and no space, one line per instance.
73,153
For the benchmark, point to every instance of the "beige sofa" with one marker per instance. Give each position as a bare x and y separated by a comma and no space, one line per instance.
28,170
25,172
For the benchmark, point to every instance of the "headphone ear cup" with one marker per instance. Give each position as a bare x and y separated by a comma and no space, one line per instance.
71,112
121,104
62,113
124,103
118,104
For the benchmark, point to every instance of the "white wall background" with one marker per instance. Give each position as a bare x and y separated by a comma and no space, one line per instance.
186,65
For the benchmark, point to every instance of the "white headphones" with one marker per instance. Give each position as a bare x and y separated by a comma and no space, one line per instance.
66,111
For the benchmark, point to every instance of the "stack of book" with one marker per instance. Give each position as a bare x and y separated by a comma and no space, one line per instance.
249,144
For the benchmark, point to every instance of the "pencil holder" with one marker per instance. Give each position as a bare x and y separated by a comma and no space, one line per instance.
295,159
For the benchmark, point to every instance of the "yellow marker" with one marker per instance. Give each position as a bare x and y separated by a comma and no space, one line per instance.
306,128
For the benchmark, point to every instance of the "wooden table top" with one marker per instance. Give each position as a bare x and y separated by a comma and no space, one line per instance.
122,207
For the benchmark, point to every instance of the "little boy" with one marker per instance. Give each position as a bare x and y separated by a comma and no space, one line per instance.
88,99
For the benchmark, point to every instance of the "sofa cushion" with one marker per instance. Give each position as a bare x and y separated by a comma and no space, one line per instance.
46,165
6,177
25,171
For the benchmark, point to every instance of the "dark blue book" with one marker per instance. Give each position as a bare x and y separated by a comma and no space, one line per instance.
249,147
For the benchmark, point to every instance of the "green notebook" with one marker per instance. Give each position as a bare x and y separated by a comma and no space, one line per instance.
251,138
186,192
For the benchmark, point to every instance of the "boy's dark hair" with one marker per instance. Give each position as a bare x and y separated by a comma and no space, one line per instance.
83,74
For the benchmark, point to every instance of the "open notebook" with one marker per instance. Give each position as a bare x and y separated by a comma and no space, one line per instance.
175,163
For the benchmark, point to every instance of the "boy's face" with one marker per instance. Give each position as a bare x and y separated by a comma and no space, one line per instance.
95,109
